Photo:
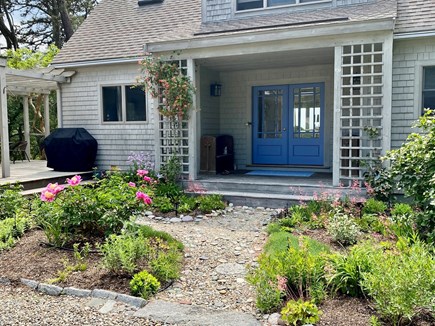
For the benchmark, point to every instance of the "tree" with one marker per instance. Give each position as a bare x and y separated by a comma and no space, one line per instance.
7,27
43,22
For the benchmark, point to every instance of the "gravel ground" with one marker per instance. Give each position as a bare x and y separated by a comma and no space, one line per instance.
218,251
23,306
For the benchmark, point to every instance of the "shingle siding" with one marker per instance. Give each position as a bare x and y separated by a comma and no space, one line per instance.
209,104
409,58
216,10
81,108
415,16
351,2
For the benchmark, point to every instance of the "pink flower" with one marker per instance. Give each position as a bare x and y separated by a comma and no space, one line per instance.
141,173
54,188
74,181
47,196
131,184
142,196
147,179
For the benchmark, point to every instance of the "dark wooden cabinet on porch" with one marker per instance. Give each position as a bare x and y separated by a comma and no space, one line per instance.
217,154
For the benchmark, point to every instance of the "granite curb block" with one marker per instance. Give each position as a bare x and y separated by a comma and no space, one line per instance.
55,290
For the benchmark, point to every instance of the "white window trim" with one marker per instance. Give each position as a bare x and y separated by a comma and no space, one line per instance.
418,86
123,105
265,7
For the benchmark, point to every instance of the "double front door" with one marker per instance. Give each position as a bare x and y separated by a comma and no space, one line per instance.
288,124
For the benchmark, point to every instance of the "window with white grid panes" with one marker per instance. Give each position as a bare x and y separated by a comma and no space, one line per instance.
174,134
361,108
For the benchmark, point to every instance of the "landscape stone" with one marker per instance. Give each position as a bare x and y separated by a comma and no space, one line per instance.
30,283
96,302
107,307
274,319
175,220
187,218
5,281
230,269
104,294
132,301
83,293
49,289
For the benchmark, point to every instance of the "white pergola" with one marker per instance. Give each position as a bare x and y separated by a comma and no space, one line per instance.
24,83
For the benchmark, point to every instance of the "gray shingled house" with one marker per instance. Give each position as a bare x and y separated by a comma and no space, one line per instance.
320,85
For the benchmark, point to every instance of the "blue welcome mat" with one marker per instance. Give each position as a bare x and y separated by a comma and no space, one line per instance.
267,173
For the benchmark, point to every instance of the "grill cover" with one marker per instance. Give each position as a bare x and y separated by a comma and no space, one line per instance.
70,150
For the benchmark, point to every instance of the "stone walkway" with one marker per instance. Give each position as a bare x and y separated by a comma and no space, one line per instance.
211,290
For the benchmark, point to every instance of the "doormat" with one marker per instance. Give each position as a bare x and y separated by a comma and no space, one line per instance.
267,173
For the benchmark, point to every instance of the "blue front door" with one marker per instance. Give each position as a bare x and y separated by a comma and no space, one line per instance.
288,124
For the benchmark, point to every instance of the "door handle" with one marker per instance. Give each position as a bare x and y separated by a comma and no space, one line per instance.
248,123
284,129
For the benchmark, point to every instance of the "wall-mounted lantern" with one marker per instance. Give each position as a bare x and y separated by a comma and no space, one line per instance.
215,89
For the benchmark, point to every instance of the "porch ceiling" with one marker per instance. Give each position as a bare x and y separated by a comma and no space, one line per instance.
295,58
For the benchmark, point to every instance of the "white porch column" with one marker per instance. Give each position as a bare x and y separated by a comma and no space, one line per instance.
336,132
59,106
4,132
388,94
47,115
26,123
193,125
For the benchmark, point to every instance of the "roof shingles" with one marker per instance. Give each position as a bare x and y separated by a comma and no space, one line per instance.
415,16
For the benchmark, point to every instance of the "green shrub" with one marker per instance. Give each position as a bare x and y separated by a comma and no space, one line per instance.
171,170
300,313
11,229
163,204
412,166
401,281
122,253
209,203
144,285
373,206
11,201
346,271
273,228
289,267
187,204
169,189
145,231
166,265
343,229
402,220
372,222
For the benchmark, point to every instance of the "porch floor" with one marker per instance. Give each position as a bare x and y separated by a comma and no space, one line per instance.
36,174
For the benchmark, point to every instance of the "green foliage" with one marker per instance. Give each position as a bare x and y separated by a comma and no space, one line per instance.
187,204
373,206
169,189
343,229
144,285
379,181
293,270
25,58
402,220
372,222
84,211
209,203
171,170
143,247
312,214
346,271
412,166
401,281
79,264
122,253
163,204
12,201
300,313
11,229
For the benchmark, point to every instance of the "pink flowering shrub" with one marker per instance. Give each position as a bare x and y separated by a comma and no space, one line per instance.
80,211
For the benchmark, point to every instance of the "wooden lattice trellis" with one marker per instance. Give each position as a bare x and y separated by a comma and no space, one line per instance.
361,108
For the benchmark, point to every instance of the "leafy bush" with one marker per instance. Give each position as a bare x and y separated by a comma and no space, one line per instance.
402,220
208,203
171,170
343,229
165,265
346,271
11,201
412,166
169,189
300,313
163,204
144,284
401,281
373,206
11,229
379,182
292,268
187,204
83,211
122,253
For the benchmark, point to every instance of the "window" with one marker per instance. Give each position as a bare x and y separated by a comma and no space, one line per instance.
257,4
123,103
429,88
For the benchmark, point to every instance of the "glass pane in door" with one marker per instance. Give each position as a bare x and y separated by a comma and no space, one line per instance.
270,106
306,113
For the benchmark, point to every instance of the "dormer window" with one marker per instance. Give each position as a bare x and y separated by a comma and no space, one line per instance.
261,4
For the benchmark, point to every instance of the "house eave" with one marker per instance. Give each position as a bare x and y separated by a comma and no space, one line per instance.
257,36
413,35
89,63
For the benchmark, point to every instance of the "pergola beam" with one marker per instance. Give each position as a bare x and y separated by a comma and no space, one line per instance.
36,75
